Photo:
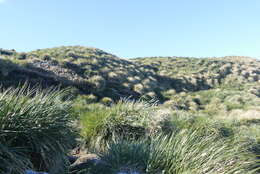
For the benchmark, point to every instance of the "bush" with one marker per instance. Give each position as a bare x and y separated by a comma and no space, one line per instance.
35,129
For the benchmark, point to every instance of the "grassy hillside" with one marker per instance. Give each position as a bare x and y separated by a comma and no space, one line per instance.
154,115
93,71
98,76
89,70
205,73
228,86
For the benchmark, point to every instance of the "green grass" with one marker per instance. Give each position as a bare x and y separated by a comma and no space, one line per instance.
126,119
216,97
126,156
35,129
92,123
134,138
12,160
188,151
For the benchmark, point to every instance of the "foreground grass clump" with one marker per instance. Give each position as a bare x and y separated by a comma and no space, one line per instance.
35,130
128,119
143,137
188,151
12,161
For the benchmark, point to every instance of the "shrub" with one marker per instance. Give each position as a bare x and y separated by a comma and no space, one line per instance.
36,125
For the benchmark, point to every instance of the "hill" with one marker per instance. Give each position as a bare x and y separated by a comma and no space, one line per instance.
93,71
190,115
226,87
206,73
189,84
89,70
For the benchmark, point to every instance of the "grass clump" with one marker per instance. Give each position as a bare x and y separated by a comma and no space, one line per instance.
127,119
126,156
92,122
35,129
12,161
188,151
98,82
106,101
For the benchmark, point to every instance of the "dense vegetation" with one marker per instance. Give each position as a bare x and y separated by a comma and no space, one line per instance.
170,115
35,130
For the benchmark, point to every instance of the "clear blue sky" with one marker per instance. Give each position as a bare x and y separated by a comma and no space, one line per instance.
134,28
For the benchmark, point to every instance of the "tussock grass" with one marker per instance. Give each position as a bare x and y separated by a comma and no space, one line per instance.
37,124
188,151
127,119
12,161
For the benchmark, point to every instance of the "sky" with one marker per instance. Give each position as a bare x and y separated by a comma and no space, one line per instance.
134,28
